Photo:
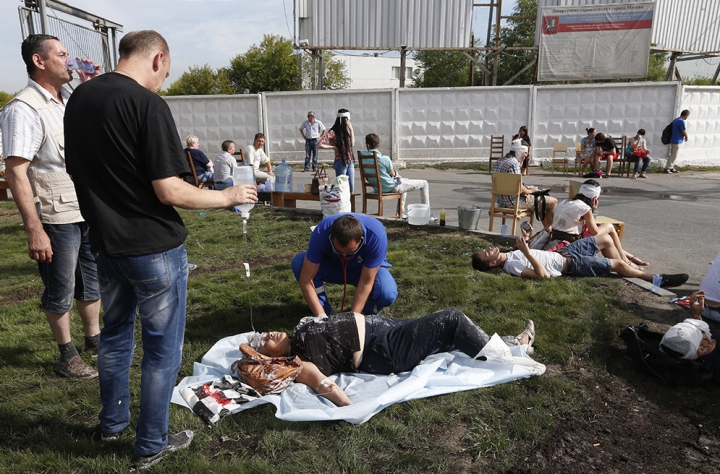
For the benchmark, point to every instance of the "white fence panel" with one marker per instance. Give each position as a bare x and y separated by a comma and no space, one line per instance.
456,123
703,125
216,118
562,113
370,112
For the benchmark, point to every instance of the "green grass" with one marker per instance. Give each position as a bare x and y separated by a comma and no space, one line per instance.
49,424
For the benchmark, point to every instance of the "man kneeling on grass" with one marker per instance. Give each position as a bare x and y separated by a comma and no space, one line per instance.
577,259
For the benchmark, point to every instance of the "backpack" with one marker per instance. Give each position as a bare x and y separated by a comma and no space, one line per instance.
666,134
643,348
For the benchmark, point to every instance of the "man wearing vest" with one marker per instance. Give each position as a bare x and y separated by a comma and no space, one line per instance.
57,235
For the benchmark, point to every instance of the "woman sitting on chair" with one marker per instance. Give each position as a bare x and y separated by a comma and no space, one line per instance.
352,342
637,151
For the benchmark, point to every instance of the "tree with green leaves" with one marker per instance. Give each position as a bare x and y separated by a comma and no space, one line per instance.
5,98
334,72
270,66
443,69
201,81
518,32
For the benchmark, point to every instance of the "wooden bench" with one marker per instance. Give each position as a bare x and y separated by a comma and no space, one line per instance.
4,186
290,199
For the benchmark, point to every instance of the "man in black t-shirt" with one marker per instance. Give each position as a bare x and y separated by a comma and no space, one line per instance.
123,151
605,150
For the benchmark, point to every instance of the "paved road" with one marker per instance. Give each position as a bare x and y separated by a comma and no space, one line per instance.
669,219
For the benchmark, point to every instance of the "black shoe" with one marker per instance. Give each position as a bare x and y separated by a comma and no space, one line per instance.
668,171
675,279
673,170
175,442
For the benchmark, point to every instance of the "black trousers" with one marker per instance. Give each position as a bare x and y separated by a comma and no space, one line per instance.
397,345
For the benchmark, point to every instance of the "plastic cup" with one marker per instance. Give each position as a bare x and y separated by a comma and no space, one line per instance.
503,230
656,281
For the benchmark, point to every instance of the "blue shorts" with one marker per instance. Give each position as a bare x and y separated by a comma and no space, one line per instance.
582,260
72,272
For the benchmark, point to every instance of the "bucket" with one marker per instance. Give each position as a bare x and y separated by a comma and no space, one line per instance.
468,217
418,214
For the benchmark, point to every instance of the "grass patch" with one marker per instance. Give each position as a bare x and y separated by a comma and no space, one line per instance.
49,424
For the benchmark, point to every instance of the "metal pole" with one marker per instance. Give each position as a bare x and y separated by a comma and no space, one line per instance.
403,53
471,79
486,77
671,66
321,71
43,17
715,76
314,69
498,12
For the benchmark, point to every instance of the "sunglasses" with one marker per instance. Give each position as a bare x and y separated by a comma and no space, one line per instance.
346,254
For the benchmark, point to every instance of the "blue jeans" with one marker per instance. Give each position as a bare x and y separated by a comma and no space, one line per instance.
581,259
348,169
398,345
219,186
383,293
156,285
637,160
311,150
72,273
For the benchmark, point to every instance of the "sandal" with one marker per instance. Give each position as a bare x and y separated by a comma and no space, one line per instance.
637,261
634,176
642,175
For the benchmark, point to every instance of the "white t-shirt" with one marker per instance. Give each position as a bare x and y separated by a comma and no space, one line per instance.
255,158
517,262
711,283
568,216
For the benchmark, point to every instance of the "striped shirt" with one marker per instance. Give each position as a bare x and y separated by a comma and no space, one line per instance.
23,132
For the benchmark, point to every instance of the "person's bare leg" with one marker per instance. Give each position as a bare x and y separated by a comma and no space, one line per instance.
623,269
609,164
60,326
90,315
609,230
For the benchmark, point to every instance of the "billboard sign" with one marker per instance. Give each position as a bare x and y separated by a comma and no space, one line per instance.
610,41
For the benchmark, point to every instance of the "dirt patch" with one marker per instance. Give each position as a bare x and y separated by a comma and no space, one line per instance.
633,422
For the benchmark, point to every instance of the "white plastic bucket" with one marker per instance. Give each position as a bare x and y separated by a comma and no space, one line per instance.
418,214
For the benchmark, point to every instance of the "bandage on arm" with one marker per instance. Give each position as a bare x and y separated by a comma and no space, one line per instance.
330,390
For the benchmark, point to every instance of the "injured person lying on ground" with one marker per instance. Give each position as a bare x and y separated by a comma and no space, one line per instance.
352,342
577,259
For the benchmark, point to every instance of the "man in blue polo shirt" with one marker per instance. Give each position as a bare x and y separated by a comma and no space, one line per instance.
679,135
346,249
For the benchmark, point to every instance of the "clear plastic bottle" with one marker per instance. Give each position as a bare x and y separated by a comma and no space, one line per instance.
442,216
244,175
79,65
283,178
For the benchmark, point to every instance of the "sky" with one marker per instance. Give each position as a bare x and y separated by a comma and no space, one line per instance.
199,32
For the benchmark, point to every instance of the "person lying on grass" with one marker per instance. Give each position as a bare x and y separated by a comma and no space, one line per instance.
577,259
351,342
692,339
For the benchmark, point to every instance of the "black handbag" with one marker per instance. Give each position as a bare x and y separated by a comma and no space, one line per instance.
320,178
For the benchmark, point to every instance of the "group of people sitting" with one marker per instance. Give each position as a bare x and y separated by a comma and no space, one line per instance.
596,147
221,172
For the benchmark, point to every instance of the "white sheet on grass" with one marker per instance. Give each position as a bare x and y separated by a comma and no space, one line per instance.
436,375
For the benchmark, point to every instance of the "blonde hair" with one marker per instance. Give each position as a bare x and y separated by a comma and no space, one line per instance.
191,139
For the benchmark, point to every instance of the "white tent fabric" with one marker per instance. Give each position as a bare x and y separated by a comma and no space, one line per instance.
438,374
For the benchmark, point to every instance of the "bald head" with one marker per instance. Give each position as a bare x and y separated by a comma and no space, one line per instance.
142,43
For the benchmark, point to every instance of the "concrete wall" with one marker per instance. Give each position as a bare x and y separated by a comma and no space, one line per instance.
455,124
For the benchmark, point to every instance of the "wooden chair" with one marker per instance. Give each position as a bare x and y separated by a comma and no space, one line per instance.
509,184
579,155
559,147
194,180
370,178
622,160
497,149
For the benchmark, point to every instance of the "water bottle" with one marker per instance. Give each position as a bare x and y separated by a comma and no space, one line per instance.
79,65
244,175
283,178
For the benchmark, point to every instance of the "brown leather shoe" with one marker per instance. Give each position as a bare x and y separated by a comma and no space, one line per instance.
76,368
